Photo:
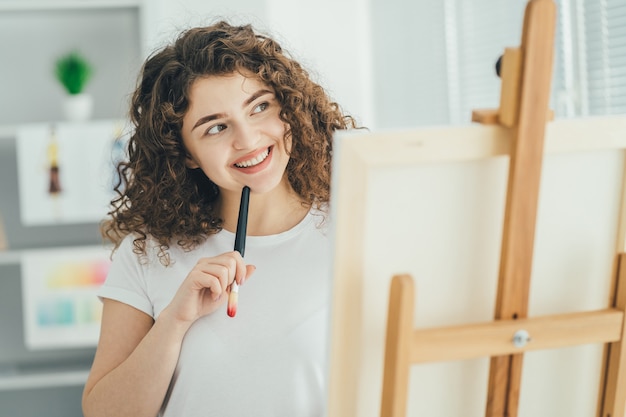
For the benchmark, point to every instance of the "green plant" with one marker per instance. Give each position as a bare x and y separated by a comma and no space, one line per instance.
73,72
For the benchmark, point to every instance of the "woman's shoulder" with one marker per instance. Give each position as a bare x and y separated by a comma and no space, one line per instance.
146,249
134,245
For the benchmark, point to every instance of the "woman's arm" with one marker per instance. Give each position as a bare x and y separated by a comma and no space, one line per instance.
137,356
134,362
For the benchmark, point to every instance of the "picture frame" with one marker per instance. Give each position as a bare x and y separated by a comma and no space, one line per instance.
59,293
67,171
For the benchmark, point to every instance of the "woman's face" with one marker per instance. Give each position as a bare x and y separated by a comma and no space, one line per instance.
233,132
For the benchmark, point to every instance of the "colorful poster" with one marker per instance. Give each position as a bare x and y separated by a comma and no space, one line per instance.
61,308
66,171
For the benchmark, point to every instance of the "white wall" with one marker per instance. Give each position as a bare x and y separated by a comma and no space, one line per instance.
165,18
393,63
332,38
329,37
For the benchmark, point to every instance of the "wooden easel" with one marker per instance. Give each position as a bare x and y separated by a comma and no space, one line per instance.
526,76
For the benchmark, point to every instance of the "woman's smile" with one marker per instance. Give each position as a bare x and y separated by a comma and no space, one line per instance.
253,161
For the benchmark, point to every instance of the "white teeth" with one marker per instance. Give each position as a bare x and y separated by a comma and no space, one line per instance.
254,161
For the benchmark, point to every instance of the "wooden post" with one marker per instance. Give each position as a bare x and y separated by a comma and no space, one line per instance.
398,347
522,197
612,398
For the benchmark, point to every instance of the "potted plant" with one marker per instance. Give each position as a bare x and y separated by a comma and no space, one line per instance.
73,71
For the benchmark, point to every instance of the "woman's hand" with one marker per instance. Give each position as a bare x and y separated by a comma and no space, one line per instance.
205,287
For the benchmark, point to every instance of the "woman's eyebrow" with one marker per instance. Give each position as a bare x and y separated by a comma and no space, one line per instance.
256,95
208,118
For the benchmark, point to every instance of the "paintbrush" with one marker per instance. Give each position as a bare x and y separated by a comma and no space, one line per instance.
240,246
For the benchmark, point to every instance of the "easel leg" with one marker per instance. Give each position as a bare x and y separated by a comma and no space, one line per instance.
612,400
522,197
504,388
398,347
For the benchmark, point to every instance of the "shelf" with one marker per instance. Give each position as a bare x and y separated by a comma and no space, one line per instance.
10,257
42,5
9,132
14,256
46,379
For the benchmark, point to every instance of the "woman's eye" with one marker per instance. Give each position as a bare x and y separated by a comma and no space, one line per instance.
260,108
214,130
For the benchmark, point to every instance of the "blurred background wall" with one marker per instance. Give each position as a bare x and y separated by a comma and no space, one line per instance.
393,64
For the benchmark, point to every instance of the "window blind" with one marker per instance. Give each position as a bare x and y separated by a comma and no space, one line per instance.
604,76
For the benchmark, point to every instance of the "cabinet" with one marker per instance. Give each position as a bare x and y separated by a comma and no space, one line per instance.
50,381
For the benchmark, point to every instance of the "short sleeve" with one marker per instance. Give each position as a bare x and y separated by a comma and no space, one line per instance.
126,281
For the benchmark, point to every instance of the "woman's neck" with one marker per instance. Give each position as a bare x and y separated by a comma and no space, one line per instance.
268,214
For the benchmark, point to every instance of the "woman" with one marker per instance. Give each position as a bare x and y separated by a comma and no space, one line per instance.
221,108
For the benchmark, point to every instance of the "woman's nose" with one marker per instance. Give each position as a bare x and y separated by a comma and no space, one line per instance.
247,136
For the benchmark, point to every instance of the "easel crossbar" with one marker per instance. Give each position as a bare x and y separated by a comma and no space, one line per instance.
496,338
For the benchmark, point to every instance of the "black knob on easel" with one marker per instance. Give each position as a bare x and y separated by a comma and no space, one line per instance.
499,65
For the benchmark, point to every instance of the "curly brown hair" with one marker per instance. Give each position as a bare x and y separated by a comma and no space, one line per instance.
157,195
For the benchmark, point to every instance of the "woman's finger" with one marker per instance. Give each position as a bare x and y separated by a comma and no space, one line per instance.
202,278
233,261
249,271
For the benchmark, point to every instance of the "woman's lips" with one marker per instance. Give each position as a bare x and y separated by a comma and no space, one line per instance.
258,160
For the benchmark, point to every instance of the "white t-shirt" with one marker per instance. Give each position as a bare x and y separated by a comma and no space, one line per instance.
270,359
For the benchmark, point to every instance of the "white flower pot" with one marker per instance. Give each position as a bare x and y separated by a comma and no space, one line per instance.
78,107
